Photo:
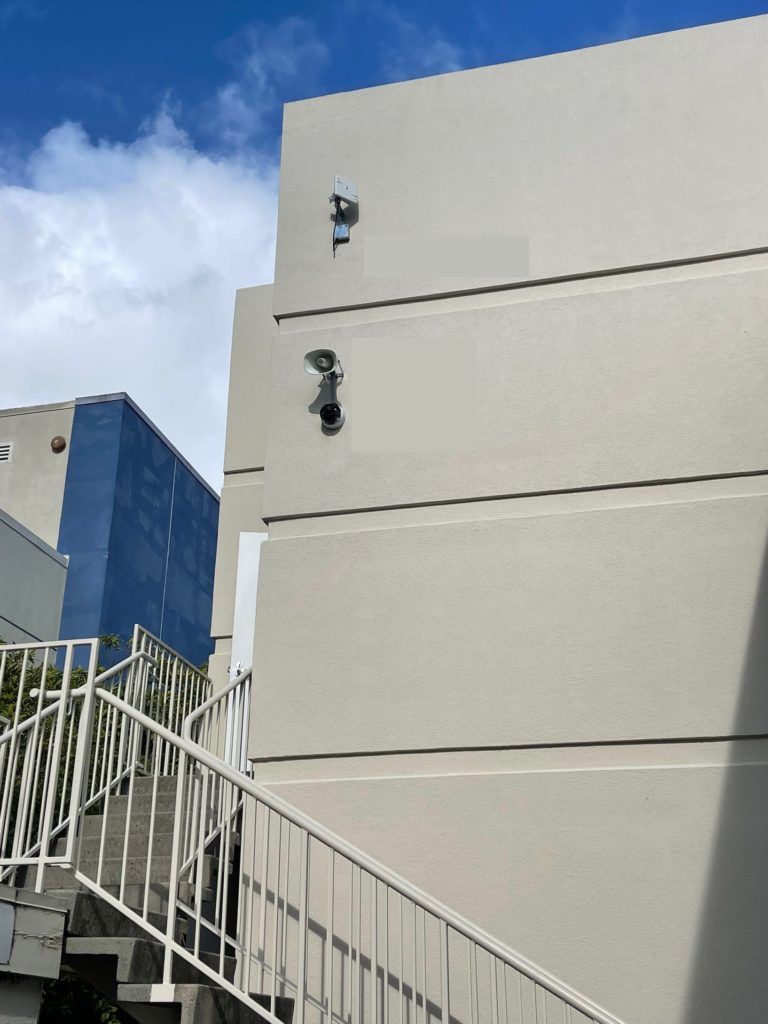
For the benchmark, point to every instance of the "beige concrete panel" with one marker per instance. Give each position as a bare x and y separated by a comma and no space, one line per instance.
32,580
32,483
642,382
240,510
558,503
612,624
642,887
252,333
218,663
508,761
663,274
642,151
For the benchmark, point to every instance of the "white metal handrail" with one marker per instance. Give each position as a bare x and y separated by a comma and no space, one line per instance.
38,752
66,757
264,890
380,875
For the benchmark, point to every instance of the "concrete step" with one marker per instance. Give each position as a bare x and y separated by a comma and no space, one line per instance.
57,878
140,822
135,870
124,962
203,1004
138,845
140,960
142,804
89,915
165,784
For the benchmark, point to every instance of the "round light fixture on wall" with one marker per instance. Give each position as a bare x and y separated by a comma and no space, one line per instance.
58,444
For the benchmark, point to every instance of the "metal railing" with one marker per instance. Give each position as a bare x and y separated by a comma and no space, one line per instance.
270,904
176,688
310,917
40,757
64,754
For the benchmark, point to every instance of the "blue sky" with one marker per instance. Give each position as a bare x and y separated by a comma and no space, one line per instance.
110,65
139,148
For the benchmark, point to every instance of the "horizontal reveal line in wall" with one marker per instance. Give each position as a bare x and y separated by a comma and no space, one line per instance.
584,744
519,494
587,275
250,469
15,625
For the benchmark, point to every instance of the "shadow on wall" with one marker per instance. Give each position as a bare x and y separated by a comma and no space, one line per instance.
729,974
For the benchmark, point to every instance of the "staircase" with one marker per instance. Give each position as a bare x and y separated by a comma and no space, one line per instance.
115,954
196,895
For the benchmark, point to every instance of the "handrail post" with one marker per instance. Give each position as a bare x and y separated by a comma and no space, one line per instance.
50,797
77,798
173,881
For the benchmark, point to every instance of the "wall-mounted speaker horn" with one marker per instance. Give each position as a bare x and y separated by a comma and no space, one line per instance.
321,361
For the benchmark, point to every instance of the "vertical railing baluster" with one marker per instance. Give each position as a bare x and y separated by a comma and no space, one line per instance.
50,802
374,950
29,775
151,839
415,970
5,824
425,951
444,967
472,989
198,864
329,934
275,920
224,870
386,954
359,966
263,896
351,926
402,959
250,899
494,989
301,983
504,1002
286,900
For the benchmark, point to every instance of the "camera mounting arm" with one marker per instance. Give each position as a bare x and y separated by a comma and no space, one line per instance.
344,191
323,362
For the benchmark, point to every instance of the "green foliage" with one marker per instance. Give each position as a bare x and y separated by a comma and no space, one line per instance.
111,641
71,999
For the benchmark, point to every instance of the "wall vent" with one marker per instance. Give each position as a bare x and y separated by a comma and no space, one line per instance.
6,451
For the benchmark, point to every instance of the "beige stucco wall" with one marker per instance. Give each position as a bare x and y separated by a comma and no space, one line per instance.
572,626
242,491
32,484
510,625
634,873
240,511
633,378
248,373
645,151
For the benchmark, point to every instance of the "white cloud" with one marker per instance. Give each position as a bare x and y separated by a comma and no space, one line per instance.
267,61
21,8
118,267
417,50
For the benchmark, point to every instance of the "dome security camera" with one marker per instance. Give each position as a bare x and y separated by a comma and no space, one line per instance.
332,415
325,363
